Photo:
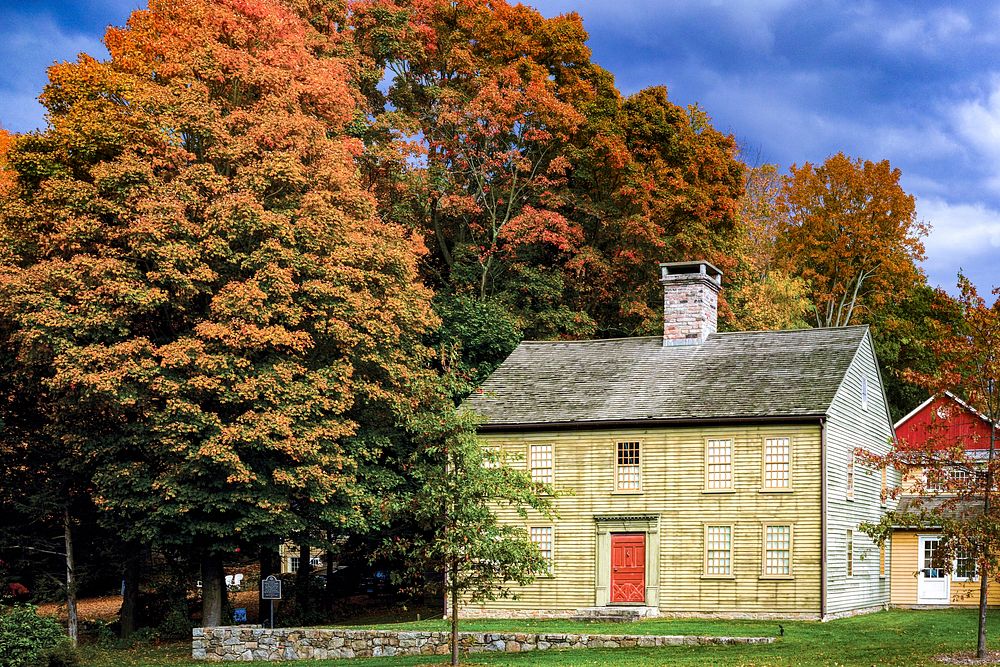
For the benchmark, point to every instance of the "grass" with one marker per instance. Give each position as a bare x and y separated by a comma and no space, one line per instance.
910,638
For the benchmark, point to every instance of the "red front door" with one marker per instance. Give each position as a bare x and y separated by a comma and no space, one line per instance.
628,567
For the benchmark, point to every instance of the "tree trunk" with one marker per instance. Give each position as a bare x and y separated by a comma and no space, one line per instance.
328,589
213,579
454,611
71,624
268,566
303,580
984,575
129,615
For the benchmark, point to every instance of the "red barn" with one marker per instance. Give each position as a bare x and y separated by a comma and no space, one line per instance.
947,419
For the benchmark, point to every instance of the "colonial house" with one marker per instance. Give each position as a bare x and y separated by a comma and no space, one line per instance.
706,473
920,576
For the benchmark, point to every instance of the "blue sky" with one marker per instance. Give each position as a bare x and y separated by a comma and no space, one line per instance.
915,83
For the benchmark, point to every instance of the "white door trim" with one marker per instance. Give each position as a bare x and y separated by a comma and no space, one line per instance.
936,590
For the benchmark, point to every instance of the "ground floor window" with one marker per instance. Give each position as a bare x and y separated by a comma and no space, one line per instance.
718,551
965,565
541,537
777,551
850,552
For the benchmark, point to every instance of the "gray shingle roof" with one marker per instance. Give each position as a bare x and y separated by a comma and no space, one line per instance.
944,506
730,375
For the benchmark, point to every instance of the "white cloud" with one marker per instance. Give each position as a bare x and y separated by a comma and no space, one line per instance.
963,235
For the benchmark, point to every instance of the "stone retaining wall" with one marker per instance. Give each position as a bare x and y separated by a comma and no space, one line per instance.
250,642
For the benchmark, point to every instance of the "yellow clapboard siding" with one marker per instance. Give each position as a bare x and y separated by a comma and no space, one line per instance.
673,472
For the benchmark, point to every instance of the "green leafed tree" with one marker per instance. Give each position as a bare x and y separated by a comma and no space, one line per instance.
459,486
196,289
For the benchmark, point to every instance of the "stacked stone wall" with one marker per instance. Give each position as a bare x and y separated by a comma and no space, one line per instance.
248,642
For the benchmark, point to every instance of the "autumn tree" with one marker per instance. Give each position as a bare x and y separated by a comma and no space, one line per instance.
650,180
968,365
850,231
198,292
762,295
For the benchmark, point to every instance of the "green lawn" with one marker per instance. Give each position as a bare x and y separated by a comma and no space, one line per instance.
909,638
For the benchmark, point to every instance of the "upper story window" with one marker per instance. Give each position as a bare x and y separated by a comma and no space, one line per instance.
628,472
719,464
864,392
491,456
885,486
777,463
850,475
540,463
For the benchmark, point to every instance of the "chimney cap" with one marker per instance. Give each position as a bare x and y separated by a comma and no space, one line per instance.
689,268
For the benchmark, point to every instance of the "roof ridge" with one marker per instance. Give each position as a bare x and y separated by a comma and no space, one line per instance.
591,340
784,331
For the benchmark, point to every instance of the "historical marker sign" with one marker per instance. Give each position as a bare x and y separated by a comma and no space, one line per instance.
270,588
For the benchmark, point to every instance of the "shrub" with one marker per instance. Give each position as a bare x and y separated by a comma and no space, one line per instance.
30,640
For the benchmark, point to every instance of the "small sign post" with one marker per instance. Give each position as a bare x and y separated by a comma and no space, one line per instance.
270,590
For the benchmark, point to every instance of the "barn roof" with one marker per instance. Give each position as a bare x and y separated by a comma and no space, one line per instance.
737,375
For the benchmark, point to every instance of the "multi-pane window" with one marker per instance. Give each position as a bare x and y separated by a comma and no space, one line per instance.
541,537
719,551
540,463
293,564
777,551
864,392
850,476
719,464
777,463
627,470
850,552
491,456
965,565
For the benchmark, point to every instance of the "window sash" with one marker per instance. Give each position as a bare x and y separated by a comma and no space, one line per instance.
719,464
718,551
777,463
540,463
966,567
628,470
850,553
542,537
850,476
777,550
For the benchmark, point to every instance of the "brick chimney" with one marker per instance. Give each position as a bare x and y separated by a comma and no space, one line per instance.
690,301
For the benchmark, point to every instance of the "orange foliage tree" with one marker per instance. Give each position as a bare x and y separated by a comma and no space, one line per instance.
851,232
196,292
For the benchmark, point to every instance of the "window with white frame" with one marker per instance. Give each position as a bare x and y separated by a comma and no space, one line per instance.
293,563
491,456
541,537
718,551
719,464
864,392
850,475
540,463
850,552
628,473
965,565
777,551
777,463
